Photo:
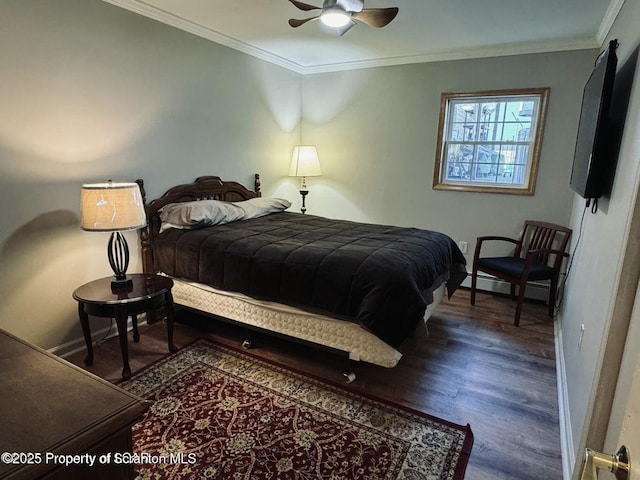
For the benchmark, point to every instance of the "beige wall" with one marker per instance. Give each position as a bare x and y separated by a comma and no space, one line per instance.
602,286
91,92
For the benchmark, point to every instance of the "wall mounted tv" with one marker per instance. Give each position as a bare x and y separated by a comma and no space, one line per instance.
593,161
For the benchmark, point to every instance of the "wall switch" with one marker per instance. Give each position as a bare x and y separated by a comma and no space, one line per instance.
463,246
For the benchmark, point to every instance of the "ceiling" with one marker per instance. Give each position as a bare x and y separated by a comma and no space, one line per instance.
424,30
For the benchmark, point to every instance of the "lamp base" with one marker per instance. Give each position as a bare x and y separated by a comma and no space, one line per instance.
118,254
120,286
303,193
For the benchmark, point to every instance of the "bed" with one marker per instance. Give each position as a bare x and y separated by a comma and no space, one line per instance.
353,288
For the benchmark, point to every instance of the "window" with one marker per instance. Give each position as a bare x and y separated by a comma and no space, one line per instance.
490,141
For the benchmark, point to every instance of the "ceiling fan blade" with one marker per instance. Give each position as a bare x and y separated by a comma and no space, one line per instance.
304,6
376,17
351,5
296,23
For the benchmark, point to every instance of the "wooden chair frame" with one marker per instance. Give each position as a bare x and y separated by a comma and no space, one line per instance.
539,243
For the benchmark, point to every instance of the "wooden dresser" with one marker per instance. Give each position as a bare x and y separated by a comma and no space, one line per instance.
49,407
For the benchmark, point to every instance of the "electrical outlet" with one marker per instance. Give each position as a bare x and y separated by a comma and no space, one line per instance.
463,246
581,337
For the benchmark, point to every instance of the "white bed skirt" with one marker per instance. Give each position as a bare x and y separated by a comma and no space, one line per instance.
293,322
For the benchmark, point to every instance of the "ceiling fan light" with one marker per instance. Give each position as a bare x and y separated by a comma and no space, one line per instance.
335,17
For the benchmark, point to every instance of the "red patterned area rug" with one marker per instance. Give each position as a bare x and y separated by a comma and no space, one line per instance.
219,413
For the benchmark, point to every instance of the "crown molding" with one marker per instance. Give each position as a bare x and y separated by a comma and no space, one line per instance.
502,50
607,22
142,8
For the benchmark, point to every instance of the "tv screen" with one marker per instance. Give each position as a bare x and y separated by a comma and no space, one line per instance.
592,158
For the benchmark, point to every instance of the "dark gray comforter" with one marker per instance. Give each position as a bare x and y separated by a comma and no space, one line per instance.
378,276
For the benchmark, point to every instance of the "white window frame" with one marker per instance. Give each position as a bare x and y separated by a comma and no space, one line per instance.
442,181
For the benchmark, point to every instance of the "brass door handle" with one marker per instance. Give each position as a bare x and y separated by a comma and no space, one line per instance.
618,464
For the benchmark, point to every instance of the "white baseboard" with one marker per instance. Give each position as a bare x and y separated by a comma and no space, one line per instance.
535,290
564,413
74,346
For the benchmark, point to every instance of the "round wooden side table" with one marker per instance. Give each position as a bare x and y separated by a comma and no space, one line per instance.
145,293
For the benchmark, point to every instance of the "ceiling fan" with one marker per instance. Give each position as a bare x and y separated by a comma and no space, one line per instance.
342,14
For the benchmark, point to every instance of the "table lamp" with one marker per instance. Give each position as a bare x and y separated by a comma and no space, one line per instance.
113,207
305,163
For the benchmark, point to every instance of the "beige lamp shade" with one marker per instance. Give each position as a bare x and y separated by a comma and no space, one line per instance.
305,162
110,207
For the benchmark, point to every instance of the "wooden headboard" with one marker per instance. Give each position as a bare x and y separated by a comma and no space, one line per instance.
204,188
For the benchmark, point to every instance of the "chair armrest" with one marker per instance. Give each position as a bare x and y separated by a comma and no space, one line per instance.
547,251
493,237
480,240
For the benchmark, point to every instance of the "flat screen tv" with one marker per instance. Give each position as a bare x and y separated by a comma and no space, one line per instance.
593,160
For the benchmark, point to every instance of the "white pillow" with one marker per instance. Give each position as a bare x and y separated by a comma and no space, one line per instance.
201,213
204,213
259,207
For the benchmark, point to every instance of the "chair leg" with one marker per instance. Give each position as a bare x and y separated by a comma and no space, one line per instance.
474,277
553,288
521,290
513,291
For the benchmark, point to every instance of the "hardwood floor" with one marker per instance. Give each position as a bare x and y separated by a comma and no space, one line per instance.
472,367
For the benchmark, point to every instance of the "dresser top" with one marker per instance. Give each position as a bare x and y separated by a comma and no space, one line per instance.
49,405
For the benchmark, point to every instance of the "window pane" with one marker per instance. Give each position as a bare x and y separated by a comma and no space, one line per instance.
522,155
524,134
519,174
458,165
515,163
485,173
487,159
463,132
463,122
457,132
464,112
489,112
459,171
505,173
527,109
508,153
500,111
490,132
513,109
